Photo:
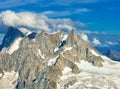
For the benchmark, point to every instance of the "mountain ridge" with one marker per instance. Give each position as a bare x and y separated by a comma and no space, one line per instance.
37,65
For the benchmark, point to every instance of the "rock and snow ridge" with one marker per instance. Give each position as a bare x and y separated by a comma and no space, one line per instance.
106,77
91,77
35,63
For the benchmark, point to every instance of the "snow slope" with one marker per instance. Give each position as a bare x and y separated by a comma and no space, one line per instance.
91,77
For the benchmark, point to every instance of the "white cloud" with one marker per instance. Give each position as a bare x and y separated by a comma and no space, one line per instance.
69,2
92,32
96,41
65,12
84,37
89,32
37,21
82,10
64,26
15,3
47,13
57,13
42,3
111,43
27,19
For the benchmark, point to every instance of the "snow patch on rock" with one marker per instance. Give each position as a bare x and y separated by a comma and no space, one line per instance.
66,70
15,45
94,53
52,61
64,38
56,49
67,49
41,55
8,80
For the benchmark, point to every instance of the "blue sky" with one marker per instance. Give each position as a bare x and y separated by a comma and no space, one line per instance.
98,15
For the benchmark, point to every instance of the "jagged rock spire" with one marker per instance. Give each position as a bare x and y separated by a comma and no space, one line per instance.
72,38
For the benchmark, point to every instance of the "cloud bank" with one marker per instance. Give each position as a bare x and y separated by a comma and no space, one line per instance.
92,32
69,2
65,12
37,21
41,3
111,43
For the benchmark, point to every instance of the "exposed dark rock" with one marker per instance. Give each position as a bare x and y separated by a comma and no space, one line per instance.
11,35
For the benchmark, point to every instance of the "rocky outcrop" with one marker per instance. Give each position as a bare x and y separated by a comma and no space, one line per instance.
97,61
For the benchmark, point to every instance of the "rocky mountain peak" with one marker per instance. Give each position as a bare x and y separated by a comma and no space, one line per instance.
71,39
10,36
72,35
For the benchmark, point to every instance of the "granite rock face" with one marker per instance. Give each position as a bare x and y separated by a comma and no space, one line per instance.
41,60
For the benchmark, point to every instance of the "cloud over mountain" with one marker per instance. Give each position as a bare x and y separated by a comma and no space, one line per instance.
84,37
96,41
37,21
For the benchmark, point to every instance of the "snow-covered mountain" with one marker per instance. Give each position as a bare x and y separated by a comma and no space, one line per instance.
55,61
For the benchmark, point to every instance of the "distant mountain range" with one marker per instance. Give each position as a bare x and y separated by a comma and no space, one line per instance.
113,54
104,42
54,61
